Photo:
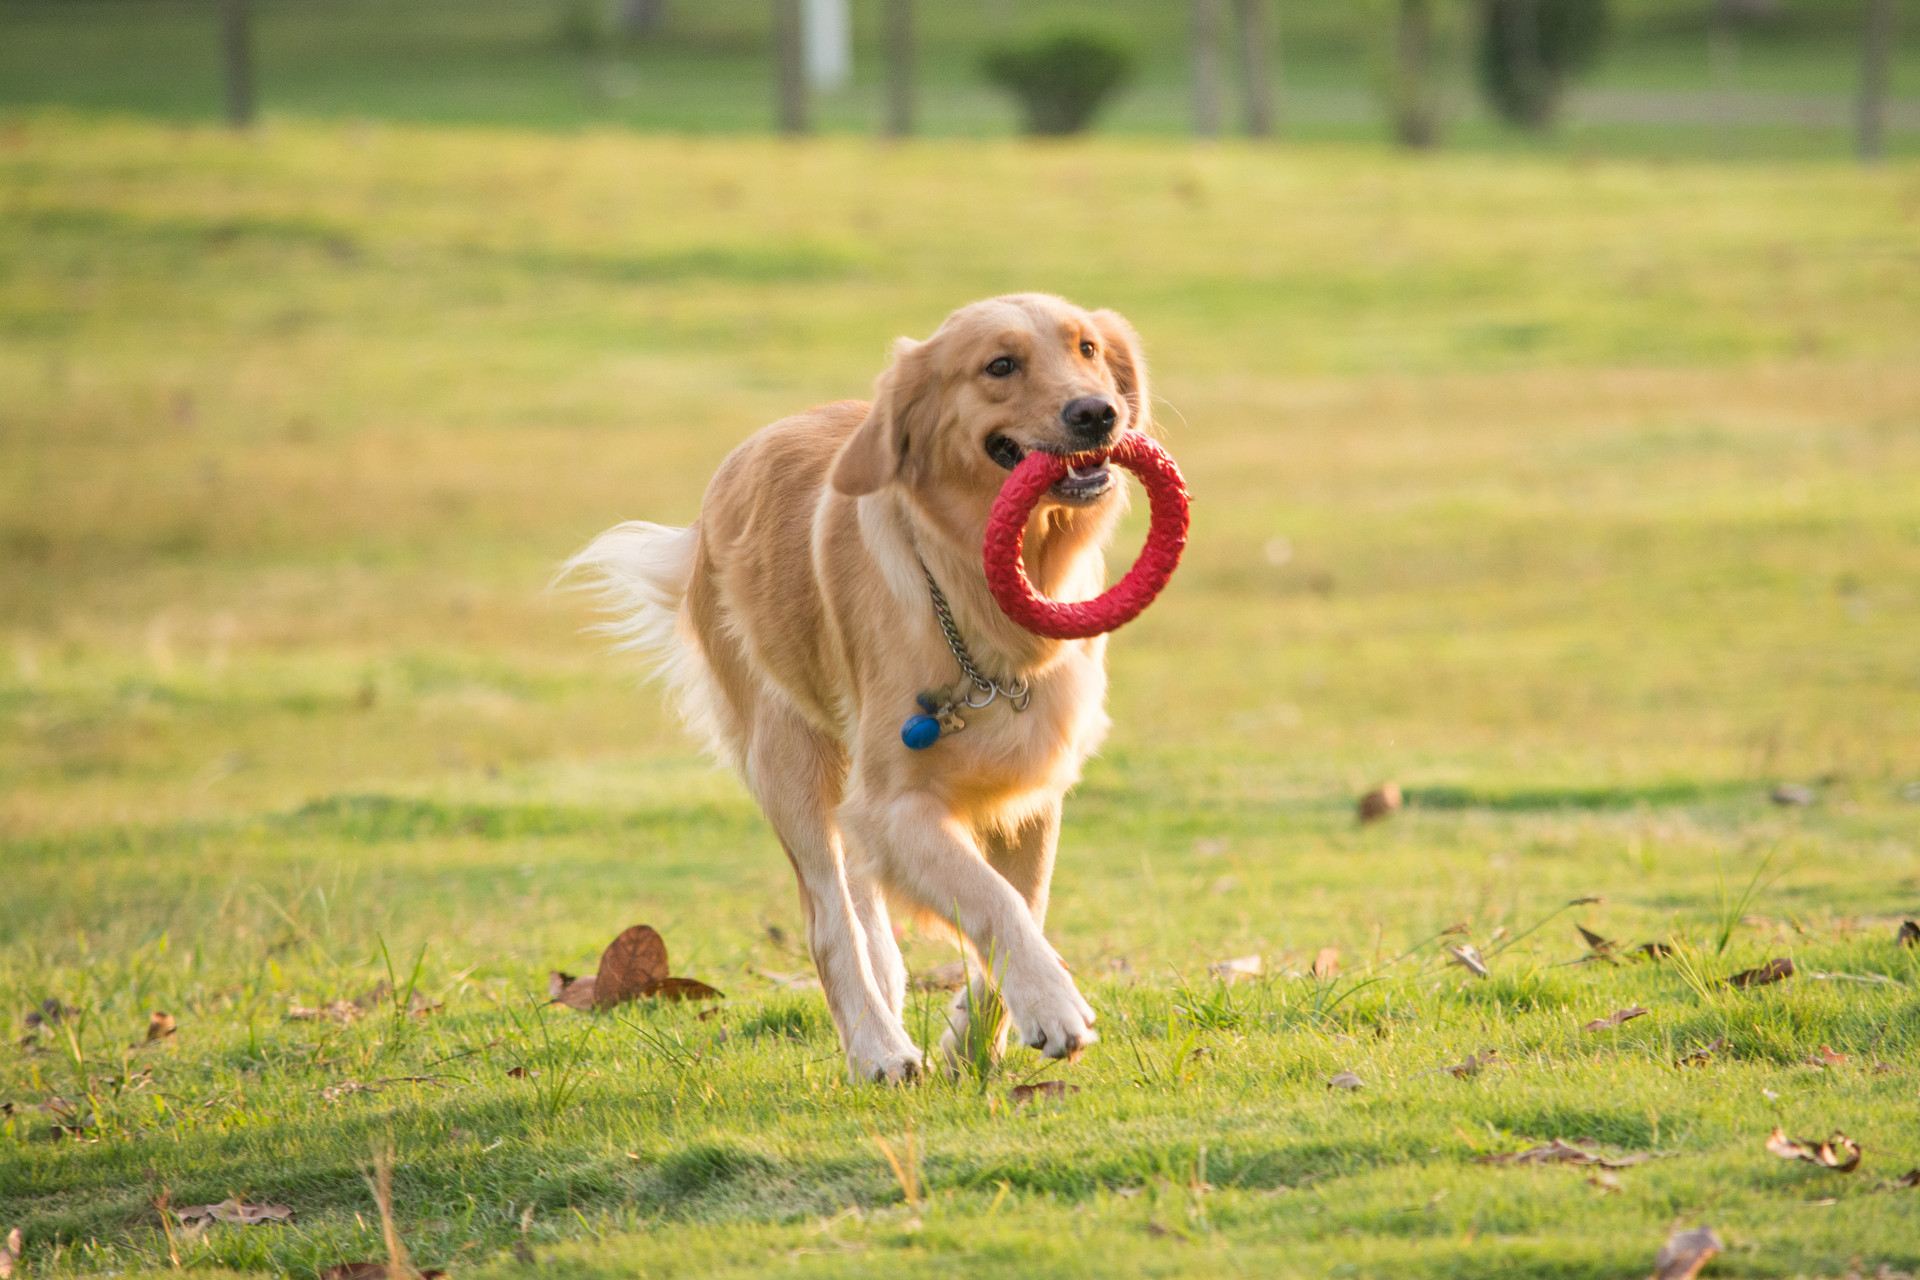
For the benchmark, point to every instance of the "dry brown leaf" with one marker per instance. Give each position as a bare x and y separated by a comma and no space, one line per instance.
1770,972
1021,1094
631,961
10,1254
1346,1080
520,1073
1475,1061
677,989
1685,1252
1826,1057
159,1026
1704,1054
235,1211
1469,955
1909,935
1602,948
1653,950
950,976
575,993
1382,802
1607,1182
1838,1153
1326,965
1237,968
1617,1018
1911,1178
1560,1151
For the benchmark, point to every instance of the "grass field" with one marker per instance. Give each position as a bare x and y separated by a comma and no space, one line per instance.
1580,497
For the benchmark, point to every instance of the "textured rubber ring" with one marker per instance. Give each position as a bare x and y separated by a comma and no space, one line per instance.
1122,602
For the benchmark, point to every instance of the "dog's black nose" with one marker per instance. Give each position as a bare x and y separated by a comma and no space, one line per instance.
1089,417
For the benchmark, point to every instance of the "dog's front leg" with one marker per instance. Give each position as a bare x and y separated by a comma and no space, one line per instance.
933,859
792,771
1024,858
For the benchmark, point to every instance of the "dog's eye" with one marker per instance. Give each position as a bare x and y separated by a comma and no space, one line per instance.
1001,367
1086,349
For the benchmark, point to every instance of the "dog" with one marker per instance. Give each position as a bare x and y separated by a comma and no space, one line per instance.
797,623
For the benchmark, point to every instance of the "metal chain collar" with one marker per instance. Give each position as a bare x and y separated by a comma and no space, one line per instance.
1018,695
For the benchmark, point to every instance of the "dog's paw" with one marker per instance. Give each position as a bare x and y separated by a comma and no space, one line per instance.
1054,1019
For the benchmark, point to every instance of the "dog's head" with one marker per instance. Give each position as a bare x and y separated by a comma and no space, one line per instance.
952,415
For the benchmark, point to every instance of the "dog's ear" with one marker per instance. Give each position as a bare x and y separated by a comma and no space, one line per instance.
1121,346
903,398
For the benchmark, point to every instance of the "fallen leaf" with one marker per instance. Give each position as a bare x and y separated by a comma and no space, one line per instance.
1602,948
159,1026
1826,1057
677,989
708,1015
51,1013
1605,1181
1704,1054
10,1254
1021,1094
1237,968
1791,793
631,961
1654,950
575,993
1617,1018
1685,1252
1909,935
1839,1152
1382,802
1346,1080
1560,1151
1469,955
236,1211
1770,972
950,976
1475,1061
1326,965
1911,1178
521,1073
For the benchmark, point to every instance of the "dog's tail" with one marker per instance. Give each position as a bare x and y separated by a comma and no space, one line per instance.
640,572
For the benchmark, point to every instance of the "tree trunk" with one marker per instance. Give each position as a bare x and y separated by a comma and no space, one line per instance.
899,42
1875,48
1206,68
789,70
236,47
1416,113
1256,39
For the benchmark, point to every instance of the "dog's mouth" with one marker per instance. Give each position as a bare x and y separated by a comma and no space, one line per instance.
1086,482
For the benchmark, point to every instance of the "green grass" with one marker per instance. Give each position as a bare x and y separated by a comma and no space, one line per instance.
1577,496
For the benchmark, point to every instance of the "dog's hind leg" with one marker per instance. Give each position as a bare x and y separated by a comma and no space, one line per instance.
796,774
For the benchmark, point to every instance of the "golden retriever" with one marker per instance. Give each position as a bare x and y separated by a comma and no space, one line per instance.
795,622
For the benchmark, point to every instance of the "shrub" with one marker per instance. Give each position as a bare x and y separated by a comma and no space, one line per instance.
1060,79
1529,49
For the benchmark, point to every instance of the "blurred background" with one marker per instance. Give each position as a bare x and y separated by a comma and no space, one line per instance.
1678,77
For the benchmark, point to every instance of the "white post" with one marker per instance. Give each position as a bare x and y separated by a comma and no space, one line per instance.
827,41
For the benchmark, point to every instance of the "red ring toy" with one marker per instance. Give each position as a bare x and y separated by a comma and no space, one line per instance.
1121,603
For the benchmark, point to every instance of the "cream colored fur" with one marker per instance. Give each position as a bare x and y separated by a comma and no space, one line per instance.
793,622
